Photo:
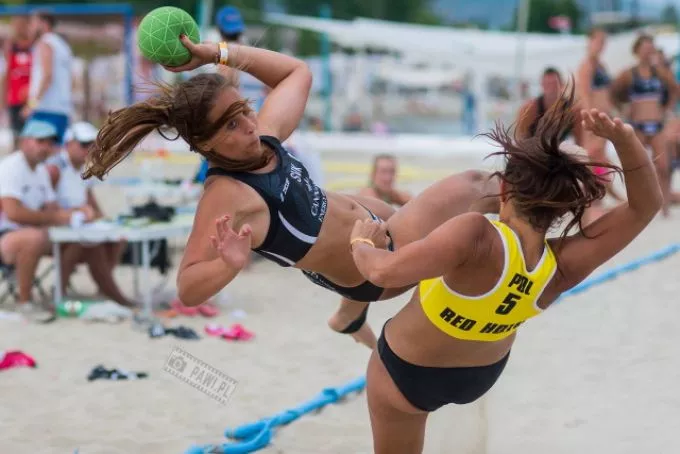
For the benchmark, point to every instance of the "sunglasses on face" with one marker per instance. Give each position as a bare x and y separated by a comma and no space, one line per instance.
86,144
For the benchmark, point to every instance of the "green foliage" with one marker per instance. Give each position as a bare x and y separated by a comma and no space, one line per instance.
669,15
426,17
413,11
541,11
309,43
250,8
417,11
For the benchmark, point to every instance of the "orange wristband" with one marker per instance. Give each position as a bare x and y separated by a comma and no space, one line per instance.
223,55
360,240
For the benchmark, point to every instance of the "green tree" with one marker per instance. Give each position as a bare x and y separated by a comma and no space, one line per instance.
139,6
250,8
414,11
308,43
540,12
427,17
393,10
669,15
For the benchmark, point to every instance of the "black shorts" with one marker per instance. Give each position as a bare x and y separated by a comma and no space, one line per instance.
429,388
649,128
363,293
16,121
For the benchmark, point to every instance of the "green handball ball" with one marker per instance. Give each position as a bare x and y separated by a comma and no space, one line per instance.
158,35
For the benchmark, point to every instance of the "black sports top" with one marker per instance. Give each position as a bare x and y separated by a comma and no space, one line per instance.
297,206
600,78
540,111
647,89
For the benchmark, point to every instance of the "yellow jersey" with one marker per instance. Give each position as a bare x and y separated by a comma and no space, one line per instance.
498,313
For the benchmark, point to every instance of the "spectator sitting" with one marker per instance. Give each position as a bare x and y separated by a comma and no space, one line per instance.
383,178
74,193
28,207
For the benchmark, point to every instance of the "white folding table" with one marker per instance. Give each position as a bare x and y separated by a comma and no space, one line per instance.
104,232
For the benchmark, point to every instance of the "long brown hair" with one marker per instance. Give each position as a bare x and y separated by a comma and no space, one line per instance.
183,108
544,182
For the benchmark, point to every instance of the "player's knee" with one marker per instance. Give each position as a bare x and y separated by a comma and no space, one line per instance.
35,239
476,176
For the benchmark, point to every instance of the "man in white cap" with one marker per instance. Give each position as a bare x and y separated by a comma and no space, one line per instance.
74,193
28,206
66,166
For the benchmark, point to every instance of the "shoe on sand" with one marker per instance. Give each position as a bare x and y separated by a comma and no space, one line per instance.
100,372
36,313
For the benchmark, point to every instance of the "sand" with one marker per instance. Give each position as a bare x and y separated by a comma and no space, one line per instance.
595,374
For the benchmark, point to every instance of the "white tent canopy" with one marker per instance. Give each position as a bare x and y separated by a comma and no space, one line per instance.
417,78
478,51
481,54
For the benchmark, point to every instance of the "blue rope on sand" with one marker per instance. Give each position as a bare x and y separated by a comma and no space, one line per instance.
622,269
255,436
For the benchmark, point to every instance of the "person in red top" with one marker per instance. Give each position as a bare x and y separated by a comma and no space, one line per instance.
16,77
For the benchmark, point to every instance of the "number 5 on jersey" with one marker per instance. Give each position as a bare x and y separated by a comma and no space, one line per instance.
508,304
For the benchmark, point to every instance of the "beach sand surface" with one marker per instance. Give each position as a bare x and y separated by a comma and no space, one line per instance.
597,373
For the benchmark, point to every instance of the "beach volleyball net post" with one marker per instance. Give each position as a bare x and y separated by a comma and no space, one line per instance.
101,33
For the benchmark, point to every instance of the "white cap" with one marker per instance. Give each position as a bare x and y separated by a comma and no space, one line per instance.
82,132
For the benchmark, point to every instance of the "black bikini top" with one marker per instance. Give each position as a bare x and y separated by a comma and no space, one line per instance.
297,206
646,89
600,78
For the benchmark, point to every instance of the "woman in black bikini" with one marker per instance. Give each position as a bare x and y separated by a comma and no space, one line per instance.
259,197
645,86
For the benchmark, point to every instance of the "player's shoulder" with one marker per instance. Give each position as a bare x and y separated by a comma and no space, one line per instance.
368,192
